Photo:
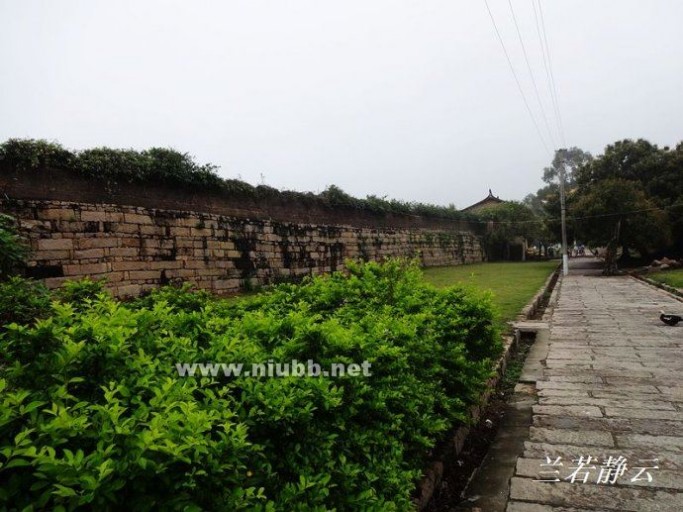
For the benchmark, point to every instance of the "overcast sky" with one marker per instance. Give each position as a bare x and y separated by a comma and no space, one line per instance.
407,99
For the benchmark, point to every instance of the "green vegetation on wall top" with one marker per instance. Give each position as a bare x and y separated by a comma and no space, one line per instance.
173,168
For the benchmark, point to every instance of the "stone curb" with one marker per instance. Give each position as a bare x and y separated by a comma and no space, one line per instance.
533,306
434,472
674,292
554,296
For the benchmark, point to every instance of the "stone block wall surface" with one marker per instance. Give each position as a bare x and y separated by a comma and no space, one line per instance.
138,248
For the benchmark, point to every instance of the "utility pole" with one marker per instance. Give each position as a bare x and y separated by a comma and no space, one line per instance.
563,215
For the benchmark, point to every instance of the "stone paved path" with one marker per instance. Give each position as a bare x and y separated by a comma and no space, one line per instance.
611,385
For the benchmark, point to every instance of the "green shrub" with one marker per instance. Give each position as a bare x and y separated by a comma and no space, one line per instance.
32,154
23,301
81,294
183,298
112,164
13,250
96,416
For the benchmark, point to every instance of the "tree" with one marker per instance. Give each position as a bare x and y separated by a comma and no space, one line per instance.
546,202
572,159
615,212
534,203
657,172
626,159
506,223
603,193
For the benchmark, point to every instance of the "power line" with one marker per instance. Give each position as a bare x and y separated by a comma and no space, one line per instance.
543,39
514,74
531,74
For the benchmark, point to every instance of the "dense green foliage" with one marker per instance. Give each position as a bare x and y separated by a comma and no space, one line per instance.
650,180
94,413
13,250
506,223
634,189
167,166
22,301
608,202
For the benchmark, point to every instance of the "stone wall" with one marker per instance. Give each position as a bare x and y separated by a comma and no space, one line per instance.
137,248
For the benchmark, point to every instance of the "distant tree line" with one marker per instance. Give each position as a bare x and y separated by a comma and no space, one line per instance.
630,197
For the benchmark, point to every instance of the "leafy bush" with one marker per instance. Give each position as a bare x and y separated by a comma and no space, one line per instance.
184,298
81,293
94,414
32,154
13,251
22,301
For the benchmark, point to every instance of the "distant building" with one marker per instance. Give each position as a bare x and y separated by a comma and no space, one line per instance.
513,249
487,201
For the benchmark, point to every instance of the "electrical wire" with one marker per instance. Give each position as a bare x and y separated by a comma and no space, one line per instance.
531,75
514,74
543,39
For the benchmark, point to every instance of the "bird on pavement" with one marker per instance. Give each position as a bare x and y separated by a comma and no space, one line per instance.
669,319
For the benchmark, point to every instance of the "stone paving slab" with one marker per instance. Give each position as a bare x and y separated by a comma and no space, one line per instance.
623,499
669,479
535,507
614,425
610,386
568,453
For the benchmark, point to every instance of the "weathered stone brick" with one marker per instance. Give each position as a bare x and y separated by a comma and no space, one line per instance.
34,225
143,274
55,282
50,244
198,232
151,243
124,228
183,273
165,265
94,216
50,255
89,253
97,243
226,284
130,290
130,242
113,277
85,269
130,265
136,218
59,214
180,231
124,251
152,230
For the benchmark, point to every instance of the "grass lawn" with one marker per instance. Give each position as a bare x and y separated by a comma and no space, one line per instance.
513,284
671,277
